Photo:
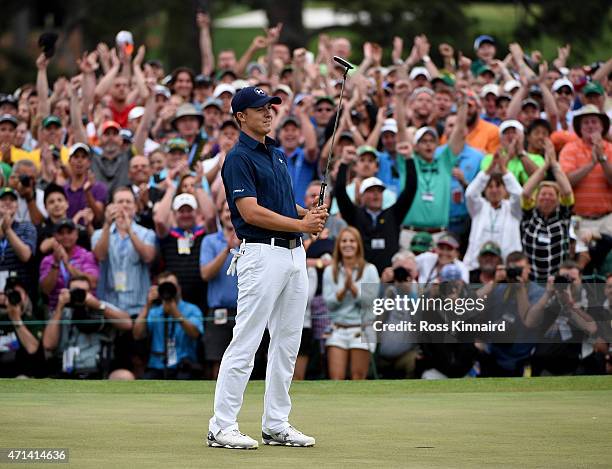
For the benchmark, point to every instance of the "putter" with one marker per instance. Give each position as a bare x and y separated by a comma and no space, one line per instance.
347,66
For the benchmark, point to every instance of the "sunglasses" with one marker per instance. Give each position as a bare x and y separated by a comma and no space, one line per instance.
324,109
565,92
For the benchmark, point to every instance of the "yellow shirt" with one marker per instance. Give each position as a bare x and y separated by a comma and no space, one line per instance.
18,154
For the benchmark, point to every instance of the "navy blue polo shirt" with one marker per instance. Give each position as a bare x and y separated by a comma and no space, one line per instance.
252,169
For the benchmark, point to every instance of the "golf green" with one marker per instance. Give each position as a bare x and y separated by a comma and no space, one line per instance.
527,422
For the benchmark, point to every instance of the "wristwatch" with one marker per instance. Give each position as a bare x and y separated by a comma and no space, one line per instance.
18,324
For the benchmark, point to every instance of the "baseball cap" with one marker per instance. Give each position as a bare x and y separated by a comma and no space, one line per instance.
290,120
251,97
8,118
363,149
593,87
255,66
421,242
79,146
187,110
482,39
51,120
483,68
328,99
64,223
390,125
511,85
8,191
136,112
560,83
202,80
164,91
346,134
8,99
530,102
222,73
449,240
502,97
239,84
418,71
184,199
224,88
450,272
109,125
490,248
177,144
213,102
370,182
489,89
127,135
510,124
422,89
418,135
284,88
447,78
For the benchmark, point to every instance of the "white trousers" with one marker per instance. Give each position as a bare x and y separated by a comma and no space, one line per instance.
272,291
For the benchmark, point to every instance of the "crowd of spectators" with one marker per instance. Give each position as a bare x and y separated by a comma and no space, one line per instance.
115,234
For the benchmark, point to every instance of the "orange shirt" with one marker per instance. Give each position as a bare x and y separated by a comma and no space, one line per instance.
560,138
484,137
593,194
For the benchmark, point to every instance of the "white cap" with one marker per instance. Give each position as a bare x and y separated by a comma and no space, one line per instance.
416,71
79,146
284,88
510,124
369,183
418,135
224,88
490,88
239,84
560,83
511,85
390,125
161,89
136,112
184,199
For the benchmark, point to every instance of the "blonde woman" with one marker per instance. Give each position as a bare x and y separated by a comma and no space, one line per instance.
342,290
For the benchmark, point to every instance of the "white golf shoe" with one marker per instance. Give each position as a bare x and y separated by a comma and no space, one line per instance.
288,437
232,440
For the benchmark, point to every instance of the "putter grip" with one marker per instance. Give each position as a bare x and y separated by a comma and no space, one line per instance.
322,194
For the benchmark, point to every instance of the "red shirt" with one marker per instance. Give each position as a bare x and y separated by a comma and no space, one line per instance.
121,117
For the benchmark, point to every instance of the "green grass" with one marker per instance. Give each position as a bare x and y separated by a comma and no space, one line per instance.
535,422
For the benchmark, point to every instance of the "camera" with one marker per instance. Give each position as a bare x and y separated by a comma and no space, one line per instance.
55,153
561,282
400,274
25,181
13,297
514,273
77,297
167,291
46,42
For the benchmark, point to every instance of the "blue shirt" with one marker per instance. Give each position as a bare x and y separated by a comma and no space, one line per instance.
124,277
493,120
388,172
301,171
252,169
222,289
185,346
468,161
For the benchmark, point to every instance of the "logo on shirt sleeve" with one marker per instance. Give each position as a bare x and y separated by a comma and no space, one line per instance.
238,190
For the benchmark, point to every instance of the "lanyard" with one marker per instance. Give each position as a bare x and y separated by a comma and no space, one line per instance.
65,273
430,170
3,246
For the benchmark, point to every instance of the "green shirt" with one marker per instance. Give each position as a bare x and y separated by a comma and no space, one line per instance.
6,171
515,166
431,204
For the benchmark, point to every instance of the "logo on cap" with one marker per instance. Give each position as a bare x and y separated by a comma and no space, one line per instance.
259,91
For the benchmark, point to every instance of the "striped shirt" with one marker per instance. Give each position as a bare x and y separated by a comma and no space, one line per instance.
593,193
124,278
546,240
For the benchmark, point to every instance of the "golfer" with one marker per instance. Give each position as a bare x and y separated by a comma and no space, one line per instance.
272,279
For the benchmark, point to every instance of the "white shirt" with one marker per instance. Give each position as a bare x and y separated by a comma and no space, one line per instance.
426,264
501,225
23,214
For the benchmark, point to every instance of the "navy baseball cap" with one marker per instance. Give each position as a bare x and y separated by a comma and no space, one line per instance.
252,96
484,38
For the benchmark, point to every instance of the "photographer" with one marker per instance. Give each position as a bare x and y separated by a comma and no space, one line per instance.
85,345
17,240
448,354
19,343
398,351
561,317
30,205
508,298
174,327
